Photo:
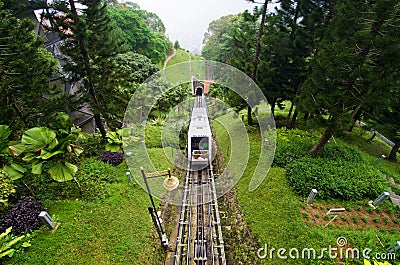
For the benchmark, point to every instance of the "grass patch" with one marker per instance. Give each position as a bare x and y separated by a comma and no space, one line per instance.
180,57
183,72
115,230
153,136
273,211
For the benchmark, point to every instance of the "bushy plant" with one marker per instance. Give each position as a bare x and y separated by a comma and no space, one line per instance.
92,144
23,217
153,136
93,177
294,144
9,243
291,145
340,152
114,158
6,189
334,179
41,150
159,121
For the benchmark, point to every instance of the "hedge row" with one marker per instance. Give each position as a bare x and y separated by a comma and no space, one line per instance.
337,172
335,179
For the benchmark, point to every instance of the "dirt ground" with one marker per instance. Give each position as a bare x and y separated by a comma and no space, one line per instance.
358,217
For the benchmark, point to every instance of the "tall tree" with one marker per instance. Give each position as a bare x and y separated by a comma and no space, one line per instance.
90,42
256,59
212,40
26,98
120,81
352,65
143,32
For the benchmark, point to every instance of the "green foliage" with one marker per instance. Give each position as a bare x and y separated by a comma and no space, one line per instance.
114,140
5,133
213,45
6,189
159,121
90,51
172,97
117,139
153,136
386,220
338,171
176,45
9,244
92,144
353,41
41,150
25,96
61,122
138,36
334,179
94,177
291,145
123,76
341,152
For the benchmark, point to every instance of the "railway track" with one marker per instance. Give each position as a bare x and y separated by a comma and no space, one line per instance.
199,239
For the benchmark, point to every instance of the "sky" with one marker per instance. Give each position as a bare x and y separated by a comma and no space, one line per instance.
187,20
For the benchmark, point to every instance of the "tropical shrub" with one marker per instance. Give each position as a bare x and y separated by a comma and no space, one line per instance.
42,150
9,243
334,179
291,145
340,152
114,140
153,136
23,217
295,144
93,144
117,139
94,176
6,189
287,152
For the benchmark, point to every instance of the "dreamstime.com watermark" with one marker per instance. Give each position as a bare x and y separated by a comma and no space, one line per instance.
341,251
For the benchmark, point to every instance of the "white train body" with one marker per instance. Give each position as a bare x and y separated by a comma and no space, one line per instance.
199,134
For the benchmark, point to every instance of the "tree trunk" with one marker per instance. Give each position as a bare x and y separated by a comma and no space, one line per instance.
355,116
88,70
273,104
257,54
306,115
323,140
273,110
294,118
249,118
290,111
100,124
393,152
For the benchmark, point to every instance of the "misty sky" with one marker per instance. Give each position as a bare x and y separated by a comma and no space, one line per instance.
187,20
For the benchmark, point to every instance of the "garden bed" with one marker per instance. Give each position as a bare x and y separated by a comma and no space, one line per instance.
383,219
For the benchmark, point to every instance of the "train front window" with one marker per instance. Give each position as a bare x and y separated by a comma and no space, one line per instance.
199,143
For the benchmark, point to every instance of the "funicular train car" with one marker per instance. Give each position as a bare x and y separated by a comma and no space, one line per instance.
199,137
199,134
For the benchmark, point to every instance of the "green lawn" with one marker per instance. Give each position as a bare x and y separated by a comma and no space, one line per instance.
179,71
273,213
114,230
